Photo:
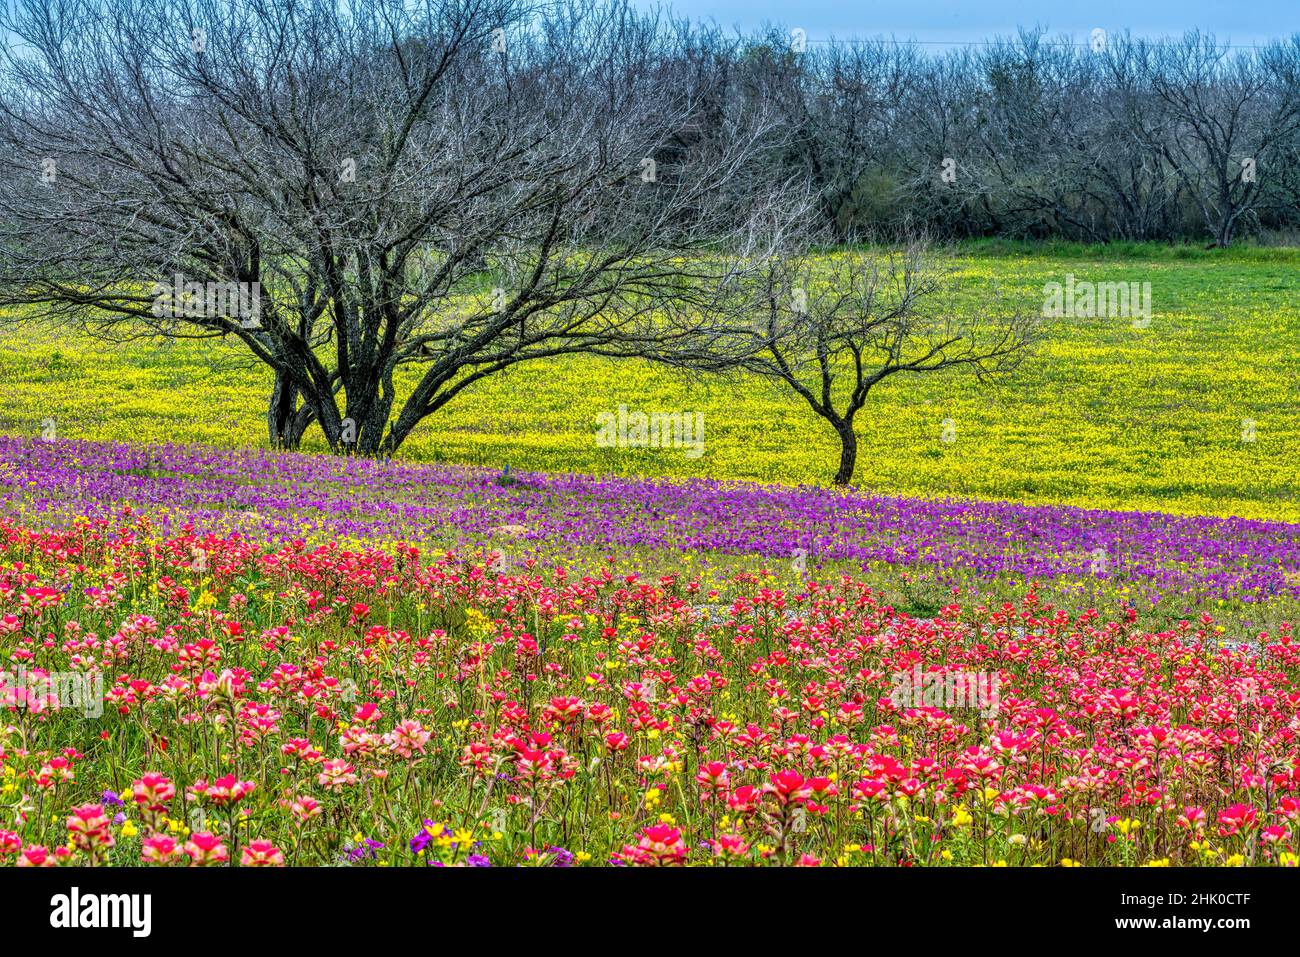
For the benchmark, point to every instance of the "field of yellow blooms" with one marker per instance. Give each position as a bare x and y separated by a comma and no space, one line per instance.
1194,413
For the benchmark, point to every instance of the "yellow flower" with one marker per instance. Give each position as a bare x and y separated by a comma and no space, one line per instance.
129,829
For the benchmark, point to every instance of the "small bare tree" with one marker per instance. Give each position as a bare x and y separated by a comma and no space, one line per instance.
831,328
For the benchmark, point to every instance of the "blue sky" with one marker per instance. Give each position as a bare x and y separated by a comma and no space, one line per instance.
1240,21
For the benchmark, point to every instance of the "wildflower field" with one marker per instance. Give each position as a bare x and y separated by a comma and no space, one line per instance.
1106,415
220,657
1064,638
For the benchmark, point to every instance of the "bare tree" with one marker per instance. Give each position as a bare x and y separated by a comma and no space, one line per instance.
830,329
842,103
939,119
1224,120
390,192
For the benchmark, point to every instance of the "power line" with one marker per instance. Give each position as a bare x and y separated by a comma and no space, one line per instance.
989,43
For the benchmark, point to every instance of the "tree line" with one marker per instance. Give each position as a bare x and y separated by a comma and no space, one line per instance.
1122,138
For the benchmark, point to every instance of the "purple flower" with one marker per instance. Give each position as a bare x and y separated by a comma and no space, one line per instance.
425,835
1175,562
367,850
562,858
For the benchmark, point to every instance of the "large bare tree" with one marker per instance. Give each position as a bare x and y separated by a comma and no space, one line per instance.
400,199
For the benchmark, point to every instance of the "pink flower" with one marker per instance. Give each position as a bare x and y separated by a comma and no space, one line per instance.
304,809
34,855
153,792
88,829
660,845
261,854
222,791
336,775
204,848
159,849
407,738
1238,819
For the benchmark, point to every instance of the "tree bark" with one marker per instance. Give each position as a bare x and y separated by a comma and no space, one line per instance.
372,418
848,452
280,414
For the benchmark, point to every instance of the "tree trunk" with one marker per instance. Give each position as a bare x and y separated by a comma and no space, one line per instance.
398,431
1224,238
280,414
371,421
848,452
